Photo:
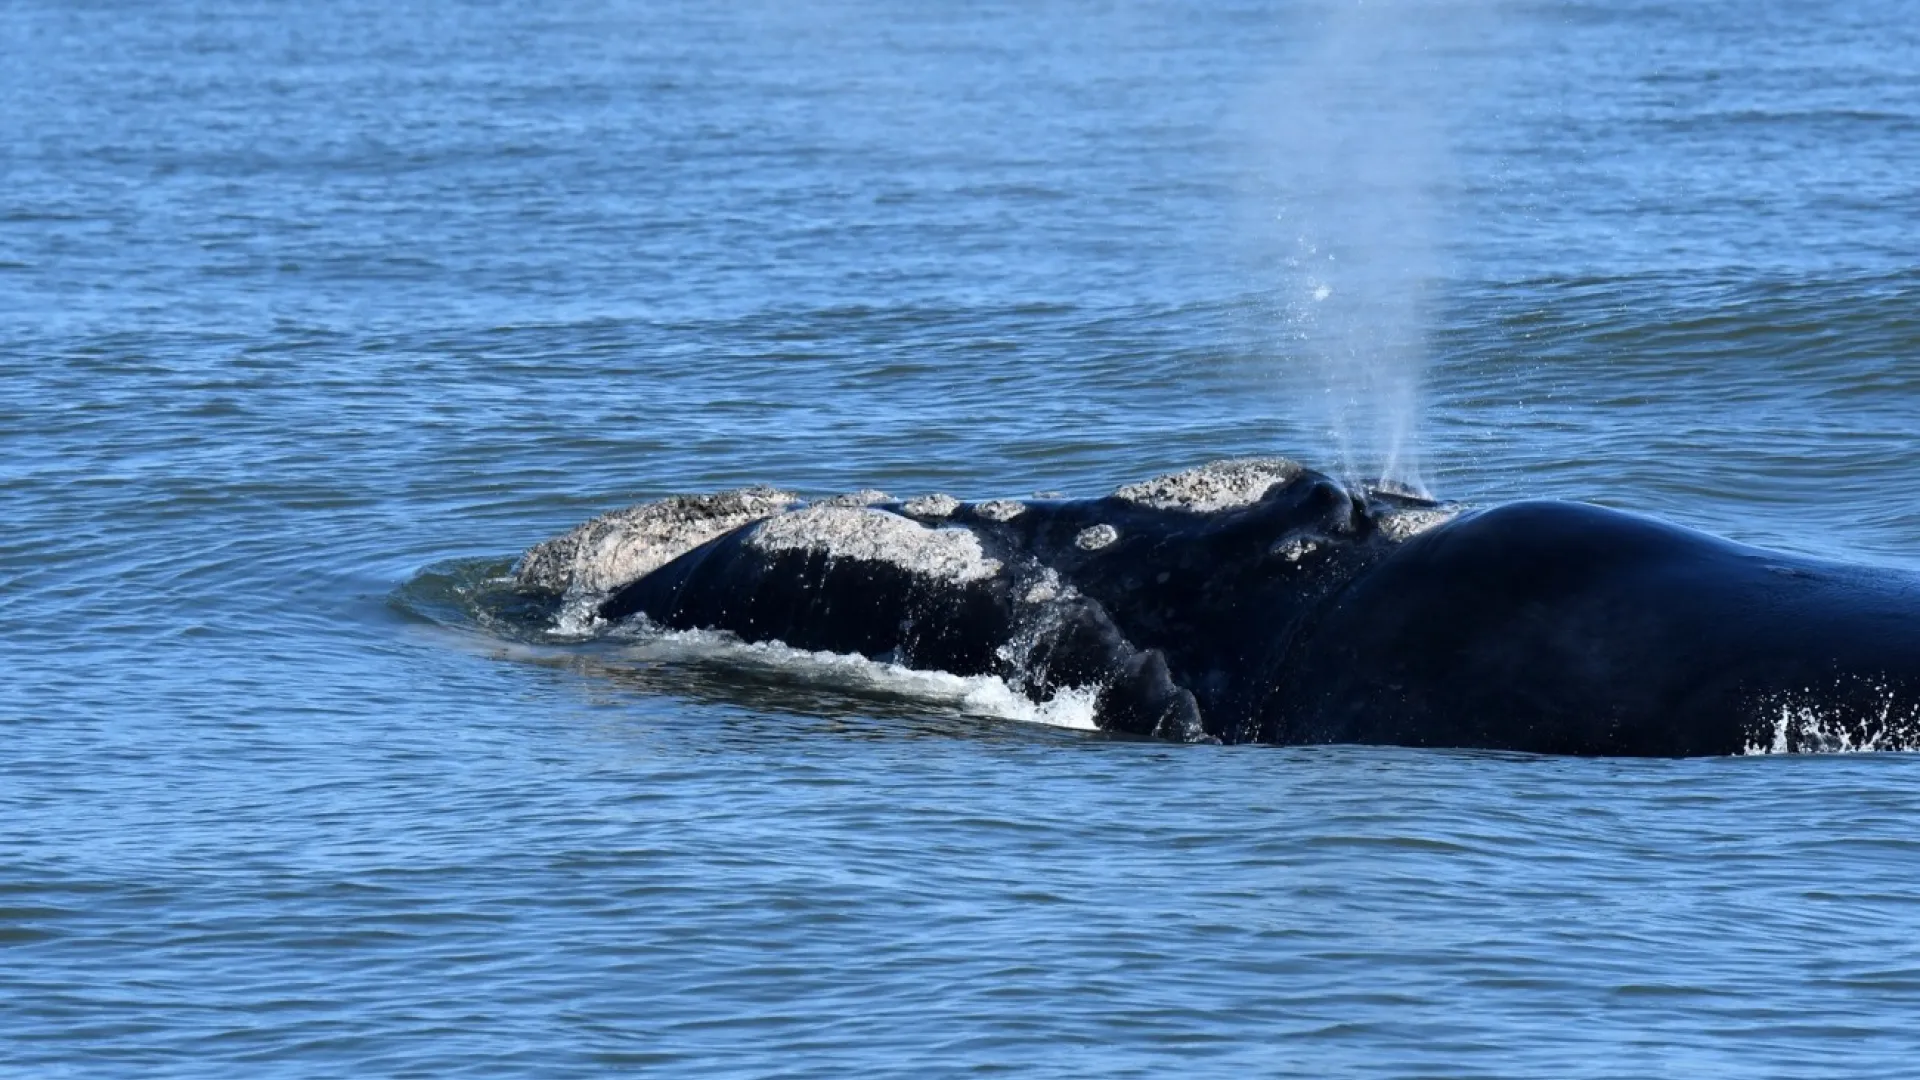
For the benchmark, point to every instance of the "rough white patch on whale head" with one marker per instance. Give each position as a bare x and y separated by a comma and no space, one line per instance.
1215,486
1405,524
853,532
1001,509
937,505
1095,537
1295,548
1047,587
863,497
625,545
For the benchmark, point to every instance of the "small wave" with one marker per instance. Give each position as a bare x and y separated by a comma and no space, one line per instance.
479,595
985,695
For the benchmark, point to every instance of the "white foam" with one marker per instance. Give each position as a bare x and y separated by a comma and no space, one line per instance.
1805,723
980,695
579,616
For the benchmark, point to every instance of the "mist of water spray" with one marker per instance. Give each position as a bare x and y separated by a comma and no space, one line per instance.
1353,157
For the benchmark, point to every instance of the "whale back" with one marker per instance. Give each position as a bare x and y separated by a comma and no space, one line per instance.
1561,627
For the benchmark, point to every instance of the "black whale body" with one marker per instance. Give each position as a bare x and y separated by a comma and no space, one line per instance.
1566,628
1264,602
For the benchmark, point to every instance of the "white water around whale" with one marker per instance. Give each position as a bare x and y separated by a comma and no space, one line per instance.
986,696
639,642
455,596
1810,721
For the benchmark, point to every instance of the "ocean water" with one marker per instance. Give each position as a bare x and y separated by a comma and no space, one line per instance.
308,311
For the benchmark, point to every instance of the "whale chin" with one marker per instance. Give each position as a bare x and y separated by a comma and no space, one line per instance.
1259,600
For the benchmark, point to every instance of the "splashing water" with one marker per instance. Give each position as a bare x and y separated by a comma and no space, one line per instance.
1852,715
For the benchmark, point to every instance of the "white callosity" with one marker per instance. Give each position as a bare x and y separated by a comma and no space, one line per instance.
1405,524
936,505
1295,548
863,497
1001,509
625,545
1047,587
1215,486
863,533
1095,537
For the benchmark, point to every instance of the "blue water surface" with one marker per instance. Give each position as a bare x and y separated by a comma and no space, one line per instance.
300,302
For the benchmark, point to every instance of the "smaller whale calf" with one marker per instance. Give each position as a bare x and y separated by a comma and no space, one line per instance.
1258,600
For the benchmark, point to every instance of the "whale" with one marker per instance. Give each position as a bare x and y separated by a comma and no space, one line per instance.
1257,600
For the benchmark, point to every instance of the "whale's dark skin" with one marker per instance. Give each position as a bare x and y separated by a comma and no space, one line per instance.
808,600
1571,629
1304,617
1160,613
